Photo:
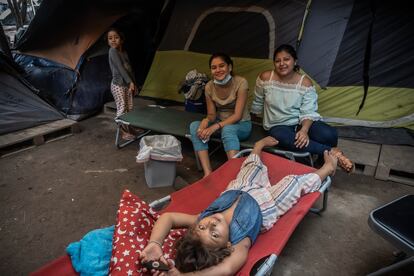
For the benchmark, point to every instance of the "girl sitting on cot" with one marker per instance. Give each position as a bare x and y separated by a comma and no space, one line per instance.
227,112
218,240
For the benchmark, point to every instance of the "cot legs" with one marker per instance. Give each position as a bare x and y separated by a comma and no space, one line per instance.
318,211
118,138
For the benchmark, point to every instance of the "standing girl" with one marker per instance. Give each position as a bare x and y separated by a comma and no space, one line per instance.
123,85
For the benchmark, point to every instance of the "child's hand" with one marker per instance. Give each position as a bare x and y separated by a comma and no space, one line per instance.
152,252
170,264
132,88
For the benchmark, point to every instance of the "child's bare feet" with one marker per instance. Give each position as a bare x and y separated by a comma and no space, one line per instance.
331,161
329,167
268,141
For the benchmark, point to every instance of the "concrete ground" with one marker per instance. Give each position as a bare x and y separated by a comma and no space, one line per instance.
54,194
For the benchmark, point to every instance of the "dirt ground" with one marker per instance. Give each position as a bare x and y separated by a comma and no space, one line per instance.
54,194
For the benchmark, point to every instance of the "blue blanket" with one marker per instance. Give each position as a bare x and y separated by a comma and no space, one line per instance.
92,254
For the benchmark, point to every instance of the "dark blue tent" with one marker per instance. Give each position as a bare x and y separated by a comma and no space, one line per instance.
20,107
68,63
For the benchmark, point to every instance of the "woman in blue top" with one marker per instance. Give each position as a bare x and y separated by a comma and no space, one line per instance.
289,104
218,239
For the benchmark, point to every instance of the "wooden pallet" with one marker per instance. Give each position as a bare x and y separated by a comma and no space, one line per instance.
396,164
364,155
28,138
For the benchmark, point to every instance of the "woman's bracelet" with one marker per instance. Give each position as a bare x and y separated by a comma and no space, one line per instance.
220,126
156,242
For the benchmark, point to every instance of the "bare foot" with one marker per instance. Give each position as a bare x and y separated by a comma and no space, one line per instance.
329,167
331,161
268,141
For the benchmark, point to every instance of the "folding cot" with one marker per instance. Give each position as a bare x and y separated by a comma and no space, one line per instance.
268,245
176,122
394,221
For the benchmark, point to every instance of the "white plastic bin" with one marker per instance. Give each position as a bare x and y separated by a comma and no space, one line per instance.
160,173
159,153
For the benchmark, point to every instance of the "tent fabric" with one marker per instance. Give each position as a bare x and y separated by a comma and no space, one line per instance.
359,53
365,66
392,39
76,94
20,108
385,107
169,69
69,63
322,37
239,28
249,31
4,45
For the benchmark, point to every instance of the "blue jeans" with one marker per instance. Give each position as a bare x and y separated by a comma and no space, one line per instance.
231,135
321,137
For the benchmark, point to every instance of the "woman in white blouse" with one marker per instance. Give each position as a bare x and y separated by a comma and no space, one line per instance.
289,104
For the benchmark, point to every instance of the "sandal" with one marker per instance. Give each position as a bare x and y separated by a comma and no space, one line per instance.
344,162
136,131
127,136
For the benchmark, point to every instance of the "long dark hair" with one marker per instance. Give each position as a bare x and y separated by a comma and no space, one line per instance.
192,255
113,29
225,57
291,51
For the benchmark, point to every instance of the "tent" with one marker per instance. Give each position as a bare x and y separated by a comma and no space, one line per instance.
359,53
64,54
20,107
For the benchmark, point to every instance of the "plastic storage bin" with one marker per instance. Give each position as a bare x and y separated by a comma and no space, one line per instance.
160,154
160,173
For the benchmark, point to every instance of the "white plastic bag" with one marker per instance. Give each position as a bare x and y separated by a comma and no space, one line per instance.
159,147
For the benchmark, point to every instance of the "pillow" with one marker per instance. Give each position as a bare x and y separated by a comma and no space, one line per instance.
135,220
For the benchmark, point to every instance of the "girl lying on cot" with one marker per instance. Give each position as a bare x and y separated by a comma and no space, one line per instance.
218,240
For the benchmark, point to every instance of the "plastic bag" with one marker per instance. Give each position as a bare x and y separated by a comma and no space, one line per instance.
159,147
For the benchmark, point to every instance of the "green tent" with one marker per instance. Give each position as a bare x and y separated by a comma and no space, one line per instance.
359,53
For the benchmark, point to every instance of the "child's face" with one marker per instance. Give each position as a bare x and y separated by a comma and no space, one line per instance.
213,231
114,40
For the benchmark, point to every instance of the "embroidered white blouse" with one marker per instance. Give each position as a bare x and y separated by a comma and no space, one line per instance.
284,104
